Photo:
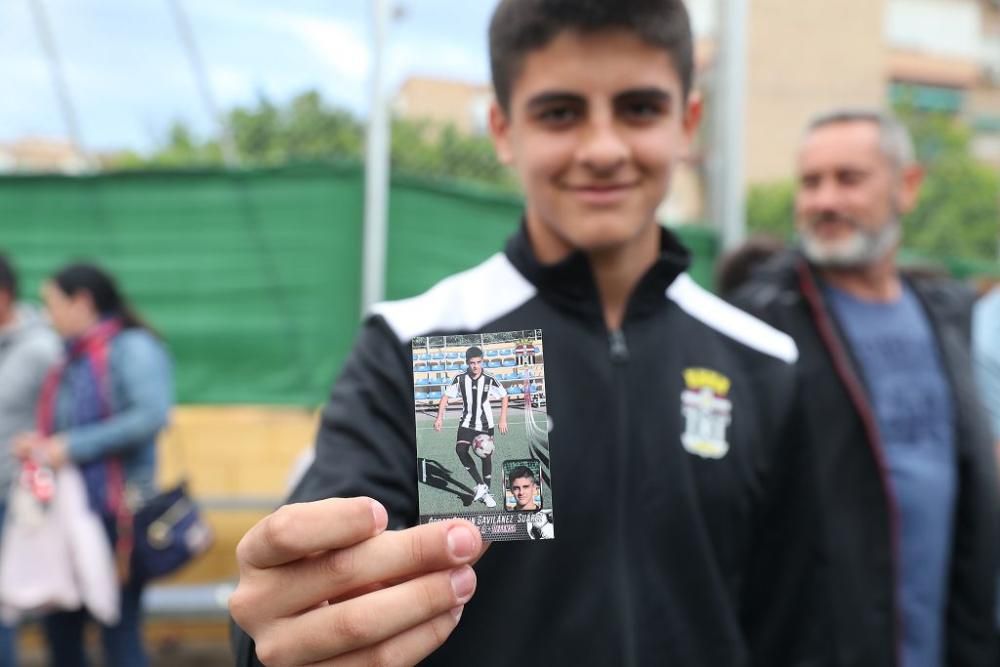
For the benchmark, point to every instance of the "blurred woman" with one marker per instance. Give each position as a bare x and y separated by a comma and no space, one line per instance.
102,410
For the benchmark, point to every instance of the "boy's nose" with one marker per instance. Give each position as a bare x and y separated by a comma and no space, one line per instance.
603,149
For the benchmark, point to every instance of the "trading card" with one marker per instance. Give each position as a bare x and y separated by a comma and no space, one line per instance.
482,433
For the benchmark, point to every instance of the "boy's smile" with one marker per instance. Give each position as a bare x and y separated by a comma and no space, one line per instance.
595,124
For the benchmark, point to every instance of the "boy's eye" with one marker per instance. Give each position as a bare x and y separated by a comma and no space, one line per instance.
643,110
558,116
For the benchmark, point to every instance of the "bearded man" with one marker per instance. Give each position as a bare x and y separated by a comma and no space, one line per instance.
903,457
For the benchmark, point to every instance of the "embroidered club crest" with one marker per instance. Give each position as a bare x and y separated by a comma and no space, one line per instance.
707,413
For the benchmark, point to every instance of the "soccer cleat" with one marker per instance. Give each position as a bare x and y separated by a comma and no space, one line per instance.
481,490
488,499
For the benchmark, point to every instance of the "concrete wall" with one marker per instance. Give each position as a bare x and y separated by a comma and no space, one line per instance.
805,56
229,455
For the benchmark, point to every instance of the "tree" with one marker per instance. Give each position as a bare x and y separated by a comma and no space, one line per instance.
959,210
771,209
314,131
257,133
307,129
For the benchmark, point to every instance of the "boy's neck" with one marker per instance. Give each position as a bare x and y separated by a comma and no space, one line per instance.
618,270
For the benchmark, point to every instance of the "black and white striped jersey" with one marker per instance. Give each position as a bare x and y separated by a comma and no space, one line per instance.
477,413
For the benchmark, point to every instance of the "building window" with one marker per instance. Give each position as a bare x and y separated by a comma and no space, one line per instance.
926,98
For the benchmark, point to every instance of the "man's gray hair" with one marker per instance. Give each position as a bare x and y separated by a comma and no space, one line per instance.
894,138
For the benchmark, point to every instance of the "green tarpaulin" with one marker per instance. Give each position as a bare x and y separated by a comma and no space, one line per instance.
253,278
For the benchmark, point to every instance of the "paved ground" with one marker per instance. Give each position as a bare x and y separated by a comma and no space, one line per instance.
188,656
171,644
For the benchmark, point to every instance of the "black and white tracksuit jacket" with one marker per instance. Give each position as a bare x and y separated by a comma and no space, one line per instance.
683,530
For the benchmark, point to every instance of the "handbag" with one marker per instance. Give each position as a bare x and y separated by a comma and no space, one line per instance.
169,532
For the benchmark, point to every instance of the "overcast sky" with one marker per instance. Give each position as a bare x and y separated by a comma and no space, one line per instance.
129,77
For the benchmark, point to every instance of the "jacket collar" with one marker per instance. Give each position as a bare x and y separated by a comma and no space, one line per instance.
569,284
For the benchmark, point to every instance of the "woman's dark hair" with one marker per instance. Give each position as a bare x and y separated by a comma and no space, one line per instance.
108,299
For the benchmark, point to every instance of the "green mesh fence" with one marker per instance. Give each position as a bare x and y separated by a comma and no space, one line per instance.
253,278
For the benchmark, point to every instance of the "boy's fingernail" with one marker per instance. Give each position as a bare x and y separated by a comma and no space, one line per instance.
380,515
463,582
461,543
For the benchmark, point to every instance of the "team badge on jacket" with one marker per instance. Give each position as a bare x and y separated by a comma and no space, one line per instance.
707,413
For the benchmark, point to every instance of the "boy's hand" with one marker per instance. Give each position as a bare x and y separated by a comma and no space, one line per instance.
503,425
324,581
438,423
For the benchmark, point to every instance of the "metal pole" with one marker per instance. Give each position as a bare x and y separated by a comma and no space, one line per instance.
376,167
59,80
728,193
230,154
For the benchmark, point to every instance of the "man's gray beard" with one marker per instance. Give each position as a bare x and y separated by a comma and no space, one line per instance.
862,249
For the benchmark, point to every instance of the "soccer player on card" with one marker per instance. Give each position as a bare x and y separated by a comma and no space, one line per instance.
475,389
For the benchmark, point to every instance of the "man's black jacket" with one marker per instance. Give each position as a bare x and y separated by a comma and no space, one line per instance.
661,555
859,518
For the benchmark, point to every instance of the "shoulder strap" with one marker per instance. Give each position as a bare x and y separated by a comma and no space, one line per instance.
45,415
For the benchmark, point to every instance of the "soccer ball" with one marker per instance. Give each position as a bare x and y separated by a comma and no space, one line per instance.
482,445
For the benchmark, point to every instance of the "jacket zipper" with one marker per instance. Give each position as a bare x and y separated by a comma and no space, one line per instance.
619,356
619,348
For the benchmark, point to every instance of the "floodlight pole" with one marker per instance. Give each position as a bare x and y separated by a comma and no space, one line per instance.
376,167
728,194
230,154
44,31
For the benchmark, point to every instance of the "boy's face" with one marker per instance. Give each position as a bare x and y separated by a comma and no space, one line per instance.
524,490
595,125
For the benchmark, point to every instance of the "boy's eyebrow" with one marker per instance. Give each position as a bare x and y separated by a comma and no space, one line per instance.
652,92
567,97
552,97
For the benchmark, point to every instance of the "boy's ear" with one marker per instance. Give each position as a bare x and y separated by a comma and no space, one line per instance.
692,118
500,131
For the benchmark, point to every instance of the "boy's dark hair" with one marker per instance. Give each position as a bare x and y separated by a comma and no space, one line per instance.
472,353
518,473
8,277
519,27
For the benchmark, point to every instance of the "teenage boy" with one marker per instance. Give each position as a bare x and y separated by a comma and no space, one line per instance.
671,407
